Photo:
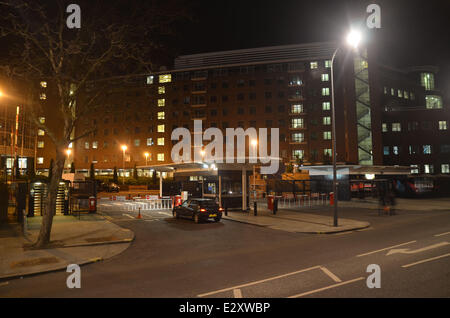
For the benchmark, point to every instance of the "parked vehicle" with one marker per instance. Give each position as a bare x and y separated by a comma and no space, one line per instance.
198,210
109,187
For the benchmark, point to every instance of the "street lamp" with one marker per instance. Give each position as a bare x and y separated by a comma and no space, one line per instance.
254,143
146,158
124,148
353,40
68,152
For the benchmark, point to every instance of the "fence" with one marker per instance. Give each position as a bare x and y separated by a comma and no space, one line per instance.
288,201
121,204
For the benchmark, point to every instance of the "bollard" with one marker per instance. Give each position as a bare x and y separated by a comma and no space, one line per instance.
275,206
226,211
25,224
255,209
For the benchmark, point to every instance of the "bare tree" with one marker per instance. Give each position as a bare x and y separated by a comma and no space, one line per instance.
116,38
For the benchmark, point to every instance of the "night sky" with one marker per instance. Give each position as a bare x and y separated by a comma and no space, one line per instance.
413,32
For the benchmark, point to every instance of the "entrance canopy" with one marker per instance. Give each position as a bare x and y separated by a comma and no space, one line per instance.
357,170
200,168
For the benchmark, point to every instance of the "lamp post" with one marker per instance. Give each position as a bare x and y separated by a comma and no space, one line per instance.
254,143
68,152
353,39
124,148
146,159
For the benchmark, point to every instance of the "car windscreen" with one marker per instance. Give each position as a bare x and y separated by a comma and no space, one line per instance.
208,204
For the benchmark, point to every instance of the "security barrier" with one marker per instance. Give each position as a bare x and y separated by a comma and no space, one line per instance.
135,204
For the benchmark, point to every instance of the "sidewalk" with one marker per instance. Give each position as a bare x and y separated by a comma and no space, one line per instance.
297,222
73,241
419,204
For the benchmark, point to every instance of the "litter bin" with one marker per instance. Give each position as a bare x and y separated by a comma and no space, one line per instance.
270,202
92,205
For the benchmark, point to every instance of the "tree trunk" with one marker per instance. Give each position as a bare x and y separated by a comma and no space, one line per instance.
50,206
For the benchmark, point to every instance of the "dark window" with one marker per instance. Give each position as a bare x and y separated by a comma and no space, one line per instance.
225,111
268,109
213,99
281,109
225,85
280,94
268,123
240,96
252,110
213,112
267,81
251,83
225,98
240,110
252,95
268,95
213,85
252,123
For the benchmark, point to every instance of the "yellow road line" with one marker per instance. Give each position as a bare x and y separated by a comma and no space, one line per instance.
325,288
258,282
329,273
386,248
426,260
442,234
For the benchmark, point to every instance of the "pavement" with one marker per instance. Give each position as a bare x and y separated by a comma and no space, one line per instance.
416,204
296,221
87,239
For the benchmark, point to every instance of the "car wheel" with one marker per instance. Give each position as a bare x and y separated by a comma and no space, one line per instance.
196,218
217,219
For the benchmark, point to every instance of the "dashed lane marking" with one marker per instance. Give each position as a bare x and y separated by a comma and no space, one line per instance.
386,248
325,288
442,234
426,260
258,282
330,274
237,293
131,217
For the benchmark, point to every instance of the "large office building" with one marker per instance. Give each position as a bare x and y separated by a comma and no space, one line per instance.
384,116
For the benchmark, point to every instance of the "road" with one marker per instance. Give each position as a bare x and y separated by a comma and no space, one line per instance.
178,258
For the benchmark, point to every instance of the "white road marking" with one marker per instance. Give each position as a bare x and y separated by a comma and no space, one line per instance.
408,251
4,284
426,260
329,273
131,217
328,287
383,249
258,282
237,293
446,233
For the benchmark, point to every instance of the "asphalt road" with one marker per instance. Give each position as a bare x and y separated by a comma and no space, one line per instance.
178,258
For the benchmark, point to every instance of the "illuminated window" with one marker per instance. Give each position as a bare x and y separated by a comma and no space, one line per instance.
149,141
161,128
43,84
326,106
385,90
427,81
297,122
405,94
297,109
40,160
386,150
395,150
327,120
161,90
443,125
298,154
327,135
42,120
161,102
40,144
392,91
160,141
160,157
427,149
167,78
94,144
433,101
412,96
42,96
428,168
325,77
325,91
445,168
384,127
150,79
399,93
137,142
41,132
396,127
313,65
328,63
414,169
298,137
70,145
161,115
86,145
327,152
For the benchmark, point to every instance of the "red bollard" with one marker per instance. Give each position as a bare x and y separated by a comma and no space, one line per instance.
331,198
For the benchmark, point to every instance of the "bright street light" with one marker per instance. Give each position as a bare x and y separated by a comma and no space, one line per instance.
353,40
254,143
124,148
146,157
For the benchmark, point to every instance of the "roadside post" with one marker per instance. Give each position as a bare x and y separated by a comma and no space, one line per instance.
255,208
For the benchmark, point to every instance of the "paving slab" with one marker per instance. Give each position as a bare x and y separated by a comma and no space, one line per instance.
74,240
297,222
